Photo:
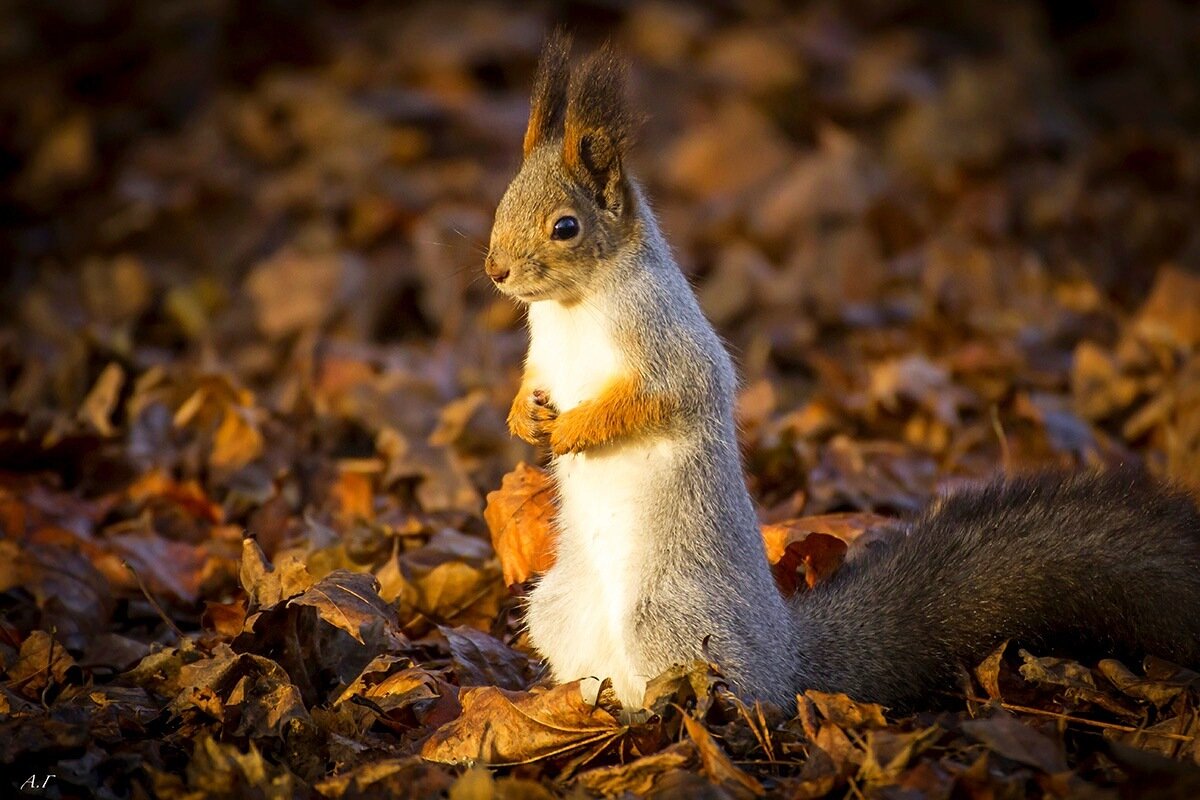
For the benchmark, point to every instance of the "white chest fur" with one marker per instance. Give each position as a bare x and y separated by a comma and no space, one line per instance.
581,611
571,350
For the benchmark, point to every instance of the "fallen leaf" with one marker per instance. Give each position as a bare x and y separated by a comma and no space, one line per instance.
716,764
639,777
293,290
349,601
819,544
175,568
41,661
188,495
988,671
483,660
1013,739
101,401
353,495
845,712
266,584
520,516
1158,692
503,728
1172,311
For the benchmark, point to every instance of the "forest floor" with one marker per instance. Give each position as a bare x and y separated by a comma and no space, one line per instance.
253,382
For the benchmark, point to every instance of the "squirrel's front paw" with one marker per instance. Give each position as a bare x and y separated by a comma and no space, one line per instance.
532,416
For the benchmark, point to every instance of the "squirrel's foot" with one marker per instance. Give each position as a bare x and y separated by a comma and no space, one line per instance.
532,416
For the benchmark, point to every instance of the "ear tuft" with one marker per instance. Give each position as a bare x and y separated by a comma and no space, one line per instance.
549,104
599,126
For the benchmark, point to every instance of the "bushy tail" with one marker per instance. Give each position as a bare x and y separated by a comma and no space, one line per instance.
1110,560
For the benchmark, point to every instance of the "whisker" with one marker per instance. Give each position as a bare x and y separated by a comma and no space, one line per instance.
474,244
474,247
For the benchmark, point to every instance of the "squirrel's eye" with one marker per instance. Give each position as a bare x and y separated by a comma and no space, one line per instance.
565,228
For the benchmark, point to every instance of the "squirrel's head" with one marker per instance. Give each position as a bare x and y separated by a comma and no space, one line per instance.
570,208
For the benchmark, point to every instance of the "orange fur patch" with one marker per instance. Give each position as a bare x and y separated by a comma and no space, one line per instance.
622,409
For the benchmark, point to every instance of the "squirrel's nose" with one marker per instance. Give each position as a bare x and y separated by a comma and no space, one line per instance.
496,271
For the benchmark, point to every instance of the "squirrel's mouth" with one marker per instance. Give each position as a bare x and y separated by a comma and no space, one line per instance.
529,295
527,280
527,288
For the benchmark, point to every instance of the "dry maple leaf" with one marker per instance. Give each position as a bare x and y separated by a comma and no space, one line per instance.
520,515
499,727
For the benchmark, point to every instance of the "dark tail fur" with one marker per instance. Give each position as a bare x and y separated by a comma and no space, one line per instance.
1109,559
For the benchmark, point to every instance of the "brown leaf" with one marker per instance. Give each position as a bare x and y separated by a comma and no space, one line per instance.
1013,739
483,660
188,495
1158,692
988,671
237,440
166,566
500,728
388,777
294,290
349,601
683,685
736,150
716,764
41,661
1098,388
844,712
408,696
267,585
223,770
478,783
74,596
451,591
1075,682
1172,311
520,516
889,753
101,401
639,777
229,412
225,619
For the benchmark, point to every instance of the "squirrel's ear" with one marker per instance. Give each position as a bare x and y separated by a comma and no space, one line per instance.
549,103
598,127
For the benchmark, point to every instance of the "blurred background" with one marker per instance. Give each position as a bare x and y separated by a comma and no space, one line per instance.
244,240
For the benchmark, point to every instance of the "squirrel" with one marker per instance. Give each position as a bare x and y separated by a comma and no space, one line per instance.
659,557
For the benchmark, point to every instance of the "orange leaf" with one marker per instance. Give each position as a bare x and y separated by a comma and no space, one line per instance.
520,515
188,495
237,441
353,495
